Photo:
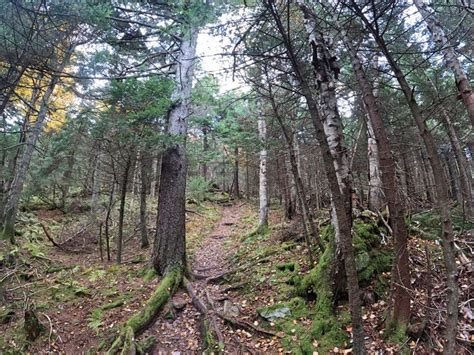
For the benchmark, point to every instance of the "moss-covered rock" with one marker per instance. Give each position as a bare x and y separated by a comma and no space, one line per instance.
371,260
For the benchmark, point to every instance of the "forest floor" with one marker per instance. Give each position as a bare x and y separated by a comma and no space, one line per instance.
249,277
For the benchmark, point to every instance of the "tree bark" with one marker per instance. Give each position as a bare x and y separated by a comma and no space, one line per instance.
400,312
236,189
123,195
465,178
343,218
376,192
169,249
143,192
95,189
16,186
263,212
205,148
449,55
441,185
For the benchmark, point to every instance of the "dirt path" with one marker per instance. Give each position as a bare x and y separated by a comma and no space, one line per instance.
182,335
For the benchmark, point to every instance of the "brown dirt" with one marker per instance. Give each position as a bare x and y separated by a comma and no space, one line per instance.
183,334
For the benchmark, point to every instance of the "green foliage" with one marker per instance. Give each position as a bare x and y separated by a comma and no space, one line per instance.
35,250
197,188
95,320
427,224
95,275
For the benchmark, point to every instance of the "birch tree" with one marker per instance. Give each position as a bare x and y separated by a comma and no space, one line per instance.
449,55
263,197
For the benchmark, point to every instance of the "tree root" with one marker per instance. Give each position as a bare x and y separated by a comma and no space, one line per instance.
246,266
246,325
211,334
137,323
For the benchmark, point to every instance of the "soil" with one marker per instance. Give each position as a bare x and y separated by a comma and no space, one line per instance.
183,333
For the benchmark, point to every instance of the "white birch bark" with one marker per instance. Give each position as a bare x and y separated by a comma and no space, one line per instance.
263,215
376,195
450,58
154,167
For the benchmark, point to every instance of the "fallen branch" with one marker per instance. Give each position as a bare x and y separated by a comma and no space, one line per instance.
385,223
50,238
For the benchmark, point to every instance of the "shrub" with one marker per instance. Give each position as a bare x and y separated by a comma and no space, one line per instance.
197,188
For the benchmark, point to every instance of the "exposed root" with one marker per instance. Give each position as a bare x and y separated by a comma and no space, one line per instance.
246,266
137,323
212,336
246,325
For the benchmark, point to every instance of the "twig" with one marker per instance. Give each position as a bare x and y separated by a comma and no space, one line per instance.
195,212
50,238
50,328
386,224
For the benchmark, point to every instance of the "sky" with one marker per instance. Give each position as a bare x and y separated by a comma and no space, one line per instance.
209,49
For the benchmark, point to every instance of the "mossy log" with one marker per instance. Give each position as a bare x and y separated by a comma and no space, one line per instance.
138,322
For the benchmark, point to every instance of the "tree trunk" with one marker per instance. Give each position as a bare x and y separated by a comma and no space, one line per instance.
95,189
16,187
169,249
143,190
123,194
329,135
408,175
236,189
465,178
400,312
263,212
247,177
449,54
441,185
450,170
311,231
108,214
429,179
205,148
376,192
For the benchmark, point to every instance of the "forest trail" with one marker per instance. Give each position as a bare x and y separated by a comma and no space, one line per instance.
183,334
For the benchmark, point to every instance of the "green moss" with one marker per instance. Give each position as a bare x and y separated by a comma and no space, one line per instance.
427,224
148,273
287,246
289,266
396,333
329,333
140,320
113,304
297,339
165,289
371,260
